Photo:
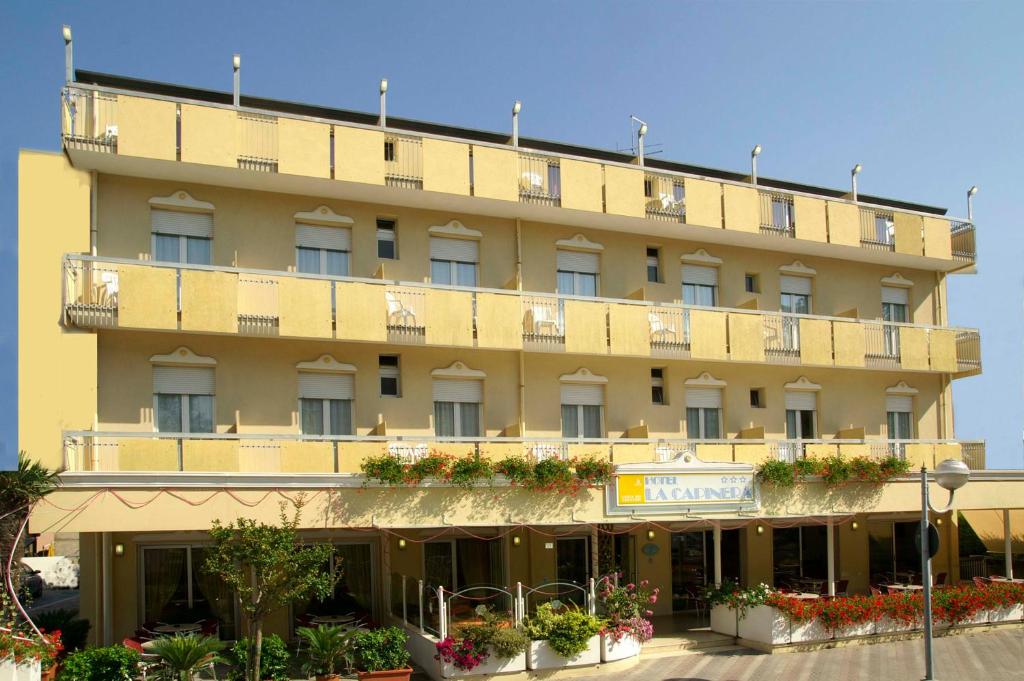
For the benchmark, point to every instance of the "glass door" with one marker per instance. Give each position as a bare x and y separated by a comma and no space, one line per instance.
572,556
689,568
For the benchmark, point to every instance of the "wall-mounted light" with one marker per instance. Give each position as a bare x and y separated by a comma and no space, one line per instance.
650,535
938,521
401,545
854,525
760,529
754,153
516,540
854,172
118,549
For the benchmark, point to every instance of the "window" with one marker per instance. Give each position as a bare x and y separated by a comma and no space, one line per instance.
182,237
885,228
577,273
453,262
658,386
174,586
387,244
799,552
322,250
457,408
801,415
389,150
703,413
751,283
390,376
700,285
757,400
183,398
554,180
582,410
325,403
782,213
653,265
795,299
899,412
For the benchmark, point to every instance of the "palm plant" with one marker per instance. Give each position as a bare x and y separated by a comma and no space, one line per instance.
182,656
329,650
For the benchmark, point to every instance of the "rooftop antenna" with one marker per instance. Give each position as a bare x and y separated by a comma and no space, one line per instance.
640,134
383,102
69,74
236,67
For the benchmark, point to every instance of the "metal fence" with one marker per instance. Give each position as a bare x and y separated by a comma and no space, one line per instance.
881,344
877,230
665,198
669,329
782,337
778,215
962,244
257,142
407,313
89,120
258,306
968,350
973,454
540,180
403,161
90,293
543,320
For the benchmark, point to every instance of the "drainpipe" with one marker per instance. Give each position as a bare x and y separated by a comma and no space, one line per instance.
108,585
94,193
522,356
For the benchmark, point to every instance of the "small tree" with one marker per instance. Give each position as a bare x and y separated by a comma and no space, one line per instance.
268,567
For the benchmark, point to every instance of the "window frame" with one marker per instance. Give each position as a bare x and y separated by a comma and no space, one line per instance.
183,241
580,434
322,252
389,371
391,225
658,384
702,413
328,424
186,419
656,257
457,418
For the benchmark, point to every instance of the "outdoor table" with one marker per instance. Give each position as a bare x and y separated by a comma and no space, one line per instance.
1005,580
176,629
804,596
904,587
334,619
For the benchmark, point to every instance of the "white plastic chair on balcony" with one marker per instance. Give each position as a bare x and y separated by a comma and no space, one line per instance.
399,312
669,202
111,134
541,320
532,181
659,330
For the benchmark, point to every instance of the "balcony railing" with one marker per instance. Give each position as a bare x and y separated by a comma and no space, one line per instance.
962,240
973,454
116,293
540,180
89,120
100,451
665,198
877,230
403,161
257,142
778,214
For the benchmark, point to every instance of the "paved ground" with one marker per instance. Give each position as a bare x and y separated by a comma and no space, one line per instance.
989,656
53,599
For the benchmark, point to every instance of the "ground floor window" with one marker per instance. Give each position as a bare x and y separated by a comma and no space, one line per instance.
353,593
799,554
693,564
177,590
892,552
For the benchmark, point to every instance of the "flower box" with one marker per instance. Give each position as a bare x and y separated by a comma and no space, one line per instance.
26,670
888,625
852,631
808,632
612,650
980,617
1012,613
541,655
764,624
493,665
724,620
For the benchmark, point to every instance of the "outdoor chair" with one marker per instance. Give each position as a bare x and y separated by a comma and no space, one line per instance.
659,330
842,586
398,311
875,591
981,582
148,661
940,579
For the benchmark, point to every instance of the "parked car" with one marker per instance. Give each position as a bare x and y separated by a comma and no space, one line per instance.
32,583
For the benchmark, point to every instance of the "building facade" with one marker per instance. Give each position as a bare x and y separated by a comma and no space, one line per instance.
226,308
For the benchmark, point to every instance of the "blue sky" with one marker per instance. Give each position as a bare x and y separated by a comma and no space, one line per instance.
926,96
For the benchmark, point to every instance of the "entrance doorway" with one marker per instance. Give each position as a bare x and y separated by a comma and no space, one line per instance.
693,564
572,565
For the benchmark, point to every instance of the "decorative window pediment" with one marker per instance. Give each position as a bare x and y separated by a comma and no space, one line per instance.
579,243
183,357
582,375
705,380
458,370
897,280
323,215
799,269
700,257
455,230
181,200
901,388
802,383
326,364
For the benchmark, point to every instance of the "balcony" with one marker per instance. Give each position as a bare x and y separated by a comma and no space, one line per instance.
344,159
94,452
131,294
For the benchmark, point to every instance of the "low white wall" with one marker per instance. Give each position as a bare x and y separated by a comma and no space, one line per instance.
27,671
56,571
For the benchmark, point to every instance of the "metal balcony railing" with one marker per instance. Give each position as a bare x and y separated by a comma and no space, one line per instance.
89,120
882,344
962,240
877,230
543,320
406,314
257,142
258,306
973,454
540,180
90,294
968,351
670,330
403,161
665,198
782,337
778,214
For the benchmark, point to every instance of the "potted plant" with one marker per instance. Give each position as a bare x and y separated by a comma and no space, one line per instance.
627,609
328,651
182,657
380,654
562,636
491,645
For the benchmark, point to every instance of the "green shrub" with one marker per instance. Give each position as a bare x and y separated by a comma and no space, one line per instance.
835,470
273,659
775,472
430,466
567,632
73,629
113,663
378,650
385,469
508,642
469,471
516,469
593,471
803,468
328,649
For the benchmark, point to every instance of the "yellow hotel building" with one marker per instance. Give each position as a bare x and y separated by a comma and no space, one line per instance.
224,307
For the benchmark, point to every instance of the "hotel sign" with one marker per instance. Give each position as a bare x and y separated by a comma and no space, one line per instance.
683,485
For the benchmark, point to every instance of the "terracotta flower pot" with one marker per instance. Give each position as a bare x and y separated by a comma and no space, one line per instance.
386,675
328,677
49,674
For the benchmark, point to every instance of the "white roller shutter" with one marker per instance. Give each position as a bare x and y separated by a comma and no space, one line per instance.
799,285
183,380
323,386
903,403
699,274
182,223
582,393
577,261
898,296
332,238
708,398
803,400
449,390
459,250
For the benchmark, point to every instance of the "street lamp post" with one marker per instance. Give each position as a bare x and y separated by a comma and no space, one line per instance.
950,475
